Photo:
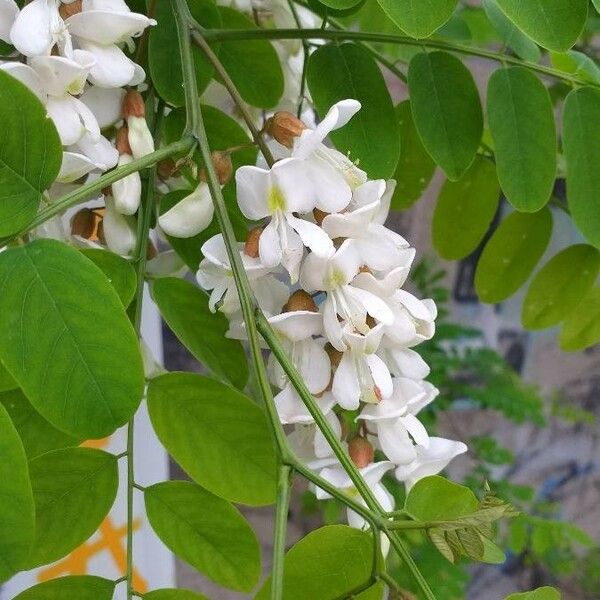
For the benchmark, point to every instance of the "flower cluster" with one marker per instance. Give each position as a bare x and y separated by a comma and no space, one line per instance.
77,67
328,275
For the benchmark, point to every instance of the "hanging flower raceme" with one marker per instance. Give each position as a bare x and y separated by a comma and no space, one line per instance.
350,327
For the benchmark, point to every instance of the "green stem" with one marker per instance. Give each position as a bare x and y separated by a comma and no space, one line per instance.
334,34
84,192
404,554
390,581
281,519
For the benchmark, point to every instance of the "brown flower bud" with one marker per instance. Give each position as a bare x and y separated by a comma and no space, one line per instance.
300,300
319,215
122,141
223,167
335,356
364,269
151,250
68,10
133,105
167,168
251,245
85,224
371,322
284,127
361,452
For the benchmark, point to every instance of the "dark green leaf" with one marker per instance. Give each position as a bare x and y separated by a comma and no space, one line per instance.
253,65
560,285
581,141
521,121
17,513
419,18
543,593
438,499
511,35
326,564
173,594
205,531
163,50
415,168
335,8
512,253
80,587
73,489
553,24
337,72
446,110
465,210
216,434
30,154
185,309
37,435
581,328
65,338
119,272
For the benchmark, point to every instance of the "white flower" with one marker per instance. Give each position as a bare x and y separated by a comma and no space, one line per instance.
404,362
8,13
189,216
334,275
429,460
379,248
127,191
119,230
140,137
361,374
396,421
278,193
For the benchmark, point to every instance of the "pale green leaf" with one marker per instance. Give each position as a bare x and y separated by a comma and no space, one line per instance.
65,338
206,531
560,285
327,564
521,121
218,436
577,64
337,72
446,110
30,154
415,168
73,489
465,210
553,24
542,593
419,18
581,328
17,513
185,309
492,554
119,272
581,142
173,594
511,254
80,587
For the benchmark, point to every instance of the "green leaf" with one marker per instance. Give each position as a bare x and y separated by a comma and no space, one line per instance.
37,435
543,593
253,65
7,381
446,110
17,513
73,489
163,50
216,434
581,142
415,168
438,499
81,587
340,4
577,64
560,285
510,34
511,254
205,531
465,209
419,18
521,120
336,72
30,154
65,338
335,8
492,554
185,309
173,594
581,328
119,272
553,24
327,564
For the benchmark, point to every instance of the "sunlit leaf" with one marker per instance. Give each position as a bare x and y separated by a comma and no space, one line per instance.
542,593
577,64
173,594
581,328
419,18
81,587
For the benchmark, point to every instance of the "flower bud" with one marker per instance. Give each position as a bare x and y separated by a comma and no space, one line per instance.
139,136
70,9
133,105
319,215
167,168
251,245
190,215
122,141
285,128
300,300
361,452
223,167
127,191
84,223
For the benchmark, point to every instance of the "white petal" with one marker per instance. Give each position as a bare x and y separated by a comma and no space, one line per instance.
106,27
30,33
312,236
346,387
66,119
27,76
381,375
166,264
8,13
74,166
374,305
104,103
119,230
416,430
292,250
395,442
127,192
314,365
313,273
333,329
322,447
139,136
62,75
290,407
290,179
189,216
253,185
325,177
269,244
113,69
100,152
297,325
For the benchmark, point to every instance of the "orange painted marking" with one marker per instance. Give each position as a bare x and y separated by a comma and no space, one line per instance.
96,443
